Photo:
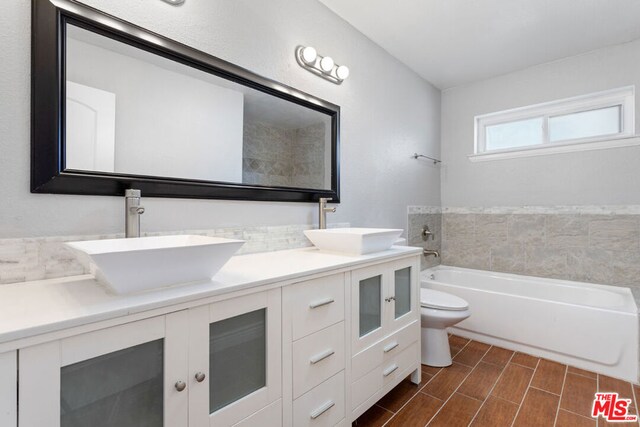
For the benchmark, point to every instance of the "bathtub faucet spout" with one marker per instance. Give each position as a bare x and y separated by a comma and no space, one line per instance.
428,252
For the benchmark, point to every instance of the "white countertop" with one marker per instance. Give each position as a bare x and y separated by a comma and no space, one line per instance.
44,306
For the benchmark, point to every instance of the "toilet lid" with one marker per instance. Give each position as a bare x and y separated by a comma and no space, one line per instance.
441,300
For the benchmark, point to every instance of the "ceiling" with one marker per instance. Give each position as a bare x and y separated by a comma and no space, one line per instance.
454,42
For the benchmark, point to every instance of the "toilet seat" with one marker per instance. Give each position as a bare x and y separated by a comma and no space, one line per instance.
430,298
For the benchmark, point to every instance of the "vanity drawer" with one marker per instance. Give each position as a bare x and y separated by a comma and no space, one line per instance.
322,406
384,350
315,304
271,416
317,357
386,373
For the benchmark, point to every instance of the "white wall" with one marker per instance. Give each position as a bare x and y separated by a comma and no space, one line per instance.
602,177
388,112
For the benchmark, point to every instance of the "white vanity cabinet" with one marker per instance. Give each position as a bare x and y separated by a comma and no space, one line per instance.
9,389
315,352
385,330
211,365
295,339
235,356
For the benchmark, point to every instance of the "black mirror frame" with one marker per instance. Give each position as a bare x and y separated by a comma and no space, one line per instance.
48,174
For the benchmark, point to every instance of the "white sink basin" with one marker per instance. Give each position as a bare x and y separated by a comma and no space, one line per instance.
131,265
353,241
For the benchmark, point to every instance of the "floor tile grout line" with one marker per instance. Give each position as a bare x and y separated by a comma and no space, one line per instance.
504,368
575,413
383,408
525,393
459,385
547,391
441,369
412,396
576,373
419,390
564,381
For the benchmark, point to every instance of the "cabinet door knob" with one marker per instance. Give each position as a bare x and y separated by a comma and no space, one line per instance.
200,377
181,385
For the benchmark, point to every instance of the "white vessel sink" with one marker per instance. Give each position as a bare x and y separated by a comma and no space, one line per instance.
131,265
353,241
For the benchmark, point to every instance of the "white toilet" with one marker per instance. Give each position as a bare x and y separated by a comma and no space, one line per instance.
438,310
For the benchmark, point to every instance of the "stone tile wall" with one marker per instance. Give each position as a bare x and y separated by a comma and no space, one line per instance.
47,257
589,247
418,217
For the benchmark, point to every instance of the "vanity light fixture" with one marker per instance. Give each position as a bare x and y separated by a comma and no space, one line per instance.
324,66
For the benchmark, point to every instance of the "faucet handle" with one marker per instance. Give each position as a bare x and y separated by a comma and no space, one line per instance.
426,233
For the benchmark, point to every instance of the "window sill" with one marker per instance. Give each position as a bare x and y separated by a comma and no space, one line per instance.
556,149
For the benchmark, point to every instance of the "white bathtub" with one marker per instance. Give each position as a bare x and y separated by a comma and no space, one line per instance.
589,326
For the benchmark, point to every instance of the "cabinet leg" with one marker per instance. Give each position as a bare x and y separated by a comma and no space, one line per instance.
416,376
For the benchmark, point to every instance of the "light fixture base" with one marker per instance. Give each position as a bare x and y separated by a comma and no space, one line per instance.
315,68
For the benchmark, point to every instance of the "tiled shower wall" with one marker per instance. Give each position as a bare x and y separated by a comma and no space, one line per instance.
418,218
587,244
283,157
47,257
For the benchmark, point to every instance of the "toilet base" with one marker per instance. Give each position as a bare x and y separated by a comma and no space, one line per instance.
435,347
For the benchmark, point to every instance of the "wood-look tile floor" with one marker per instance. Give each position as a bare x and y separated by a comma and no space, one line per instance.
491,386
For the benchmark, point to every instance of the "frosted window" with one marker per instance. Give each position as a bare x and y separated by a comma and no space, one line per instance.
370,304
603,121
238,360
123,388
403,292
520,133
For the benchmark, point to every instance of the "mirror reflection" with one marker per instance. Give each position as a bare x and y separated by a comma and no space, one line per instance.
129,111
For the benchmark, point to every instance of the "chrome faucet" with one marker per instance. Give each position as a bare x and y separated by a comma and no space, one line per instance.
133,210
428,252
323,209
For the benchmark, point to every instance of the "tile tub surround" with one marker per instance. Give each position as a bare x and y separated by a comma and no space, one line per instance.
493,386
596,245
28,259
417,218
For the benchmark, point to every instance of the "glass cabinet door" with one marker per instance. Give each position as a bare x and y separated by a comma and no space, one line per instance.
370,305
131,375
402,285
237,358
122,388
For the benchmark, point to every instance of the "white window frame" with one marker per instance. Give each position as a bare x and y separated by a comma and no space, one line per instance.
624,97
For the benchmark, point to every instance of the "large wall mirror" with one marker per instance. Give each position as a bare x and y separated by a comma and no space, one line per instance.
117,107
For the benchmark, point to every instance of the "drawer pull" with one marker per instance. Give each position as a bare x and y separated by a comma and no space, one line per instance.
321,303
389,370
321,410
390,347
320,357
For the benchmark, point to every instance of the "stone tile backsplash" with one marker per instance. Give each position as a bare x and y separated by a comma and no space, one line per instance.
590,247
47,257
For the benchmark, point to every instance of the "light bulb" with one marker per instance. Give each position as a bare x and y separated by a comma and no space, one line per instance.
309,55
342,72
326,64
